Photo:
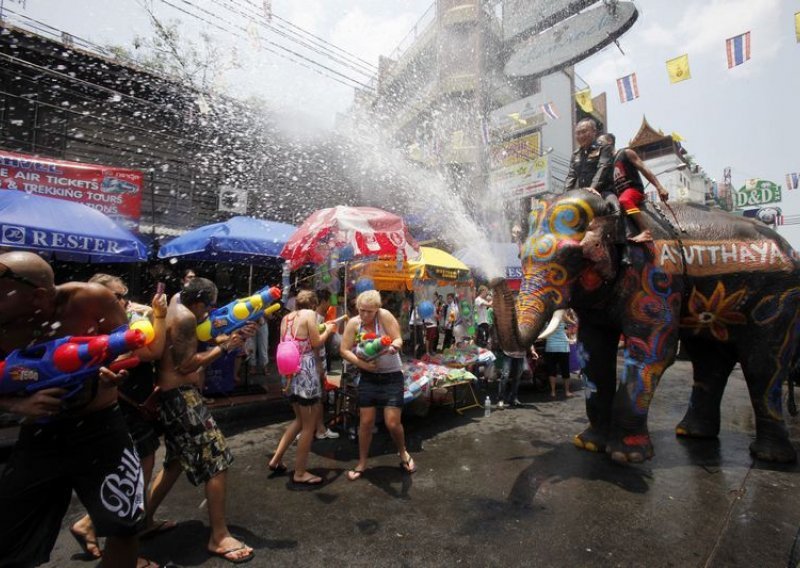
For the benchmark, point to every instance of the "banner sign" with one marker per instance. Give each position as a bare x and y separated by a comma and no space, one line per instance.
117,192
516,168
757,192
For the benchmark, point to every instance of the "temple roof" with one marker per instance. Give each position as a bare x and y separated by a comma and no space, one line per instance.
648,135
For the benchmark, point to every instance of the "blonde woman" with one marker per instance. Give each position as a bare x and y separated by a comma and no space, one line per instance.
305,388
381,382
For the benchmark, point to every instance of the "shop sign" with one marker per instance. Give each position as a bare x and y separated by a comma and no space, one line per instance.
519,116
117,192
525,179
757,192
571,40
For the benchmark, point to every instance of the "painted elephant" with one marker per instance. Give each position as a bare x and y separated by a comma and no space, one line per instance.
726,286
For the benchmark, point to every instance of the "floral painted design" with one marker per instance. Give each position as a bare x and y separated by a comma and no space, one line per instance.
715,313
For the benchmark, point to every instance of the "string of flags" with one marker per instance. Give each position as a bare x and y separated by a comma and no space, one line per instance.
792,180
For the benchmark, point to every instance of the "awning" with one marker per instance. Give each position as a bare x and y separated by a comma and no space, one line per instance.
433,265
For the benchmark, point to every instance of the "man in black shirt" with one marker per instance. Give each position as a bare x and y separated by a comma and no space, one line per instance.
591,163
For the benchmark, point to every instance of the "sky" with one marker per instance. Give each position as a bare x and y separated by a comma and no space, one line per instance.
745,117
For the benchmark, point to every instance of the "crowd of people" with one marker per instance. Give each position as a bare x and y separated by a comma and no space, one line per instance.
99,437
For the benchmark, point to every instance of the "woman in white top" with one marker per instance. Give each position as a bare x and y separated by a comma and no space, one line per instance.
381,381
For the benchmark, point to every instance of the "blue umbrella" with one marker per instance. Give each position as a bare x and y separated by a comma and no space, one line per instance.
239,239
71,230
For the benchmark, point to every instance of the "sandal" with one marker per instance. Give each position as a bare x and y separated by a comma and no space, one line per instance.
277,469
313,480
408,464
85,543
355,474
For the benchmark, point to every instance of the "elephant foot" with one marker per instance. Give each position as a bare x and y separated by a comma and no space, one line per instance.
773,450
634,448
694,427
590,440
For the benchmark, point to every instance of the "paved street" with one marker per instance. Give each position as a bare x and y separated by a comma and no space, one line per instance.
505,490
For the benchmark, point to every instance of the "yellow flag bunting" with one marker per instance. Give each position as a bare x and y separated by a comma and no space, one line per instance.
584,100
797,26
678,69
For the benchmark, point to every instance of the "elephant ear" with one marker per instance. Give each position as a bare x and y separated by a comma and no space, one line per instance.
598,245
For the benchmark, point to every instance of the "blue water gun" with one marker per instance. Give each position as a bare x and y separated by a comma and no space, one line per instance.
238,313
71,363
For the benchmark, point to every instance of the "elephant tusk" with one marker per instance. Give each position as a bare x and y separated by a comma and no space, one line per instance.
558,315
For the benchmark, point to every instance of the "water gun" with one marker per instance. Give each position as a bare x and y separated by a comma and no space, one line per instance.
371,347
238,313
322,327
71,363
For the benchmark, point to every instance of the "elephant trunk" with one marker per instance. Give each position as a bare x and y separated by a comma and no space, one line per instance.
512,335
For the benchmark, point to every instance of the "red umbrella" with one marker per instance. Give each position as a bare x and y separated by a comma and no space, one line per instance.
367,231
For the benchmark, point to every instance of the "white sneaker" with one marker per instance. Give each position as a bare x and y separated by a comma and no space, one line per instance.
501,405
330,434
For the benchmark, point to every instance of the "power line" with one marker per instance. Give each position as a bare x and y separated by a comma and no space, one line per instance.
317,45
273,51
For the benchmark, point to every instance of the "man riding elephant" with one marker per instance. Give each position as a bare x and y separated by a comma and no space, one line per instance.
726,286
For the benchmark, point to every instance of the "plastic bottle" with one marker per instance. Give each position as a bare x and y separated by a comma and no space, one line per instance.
487,406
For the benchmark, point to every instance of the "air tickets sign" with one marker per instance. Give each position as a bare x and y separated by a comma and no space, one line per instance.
116,192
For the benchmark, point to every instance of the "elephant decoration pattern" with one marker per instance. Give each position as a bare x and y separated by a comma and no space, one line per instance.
716,287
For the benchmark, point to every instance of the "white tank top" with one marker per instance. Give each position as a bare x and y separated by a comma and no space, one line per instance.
387,362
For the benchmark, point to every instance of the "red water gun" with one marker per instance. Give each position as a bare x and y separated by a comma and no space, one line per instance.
371,346
71,363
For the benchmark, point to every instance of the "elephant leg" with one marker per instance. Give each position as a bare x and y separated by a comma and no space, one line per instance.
646,359
765,383
712,363
600,381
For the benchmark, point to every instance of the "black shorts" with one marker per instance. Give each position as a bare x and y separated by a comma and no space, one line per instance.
557,363
92,454
381,389
144,432
295,399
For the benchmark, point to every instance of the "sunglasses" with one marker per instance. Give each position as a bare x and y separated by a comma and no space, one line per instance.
11,275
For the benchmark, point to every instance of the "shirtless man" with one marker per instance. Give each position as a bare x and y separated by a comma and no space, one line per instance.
87,449
204,456
629,187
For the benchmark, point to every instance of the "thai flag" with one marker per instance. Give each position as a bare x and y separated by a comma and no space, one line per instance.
628,88
792,181
738,48
550,110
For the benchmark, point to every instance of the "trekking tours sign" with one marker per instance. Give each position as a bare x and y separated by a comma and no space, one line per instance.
571,40
116,192
757,192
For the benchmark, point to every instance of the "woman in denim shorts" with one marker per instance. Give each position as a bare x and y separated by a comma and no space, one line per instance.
381,383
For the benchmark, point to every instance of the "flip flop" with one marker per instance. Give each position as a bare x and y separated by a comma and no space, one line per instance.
157,528
278,469
355,474
314,480
409,464
241,560
85,543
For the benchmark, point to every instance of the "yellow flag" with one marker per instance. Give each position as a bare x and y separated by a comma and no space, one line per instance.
677,137
515,117
584,100
797,26
678,69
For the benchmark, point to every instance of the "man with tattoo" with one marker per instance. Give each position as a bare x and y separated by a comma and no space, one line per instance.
85,446
193,440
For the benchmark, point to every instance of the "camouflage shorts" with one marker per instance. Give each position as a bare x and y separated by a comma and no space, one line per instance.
192,436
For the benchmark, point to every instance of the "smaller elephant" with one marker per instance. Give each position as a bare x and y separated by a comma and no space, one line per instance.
726,286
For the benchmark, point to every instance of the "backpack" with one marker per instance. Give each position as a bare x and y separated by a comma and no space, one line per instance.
288,354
